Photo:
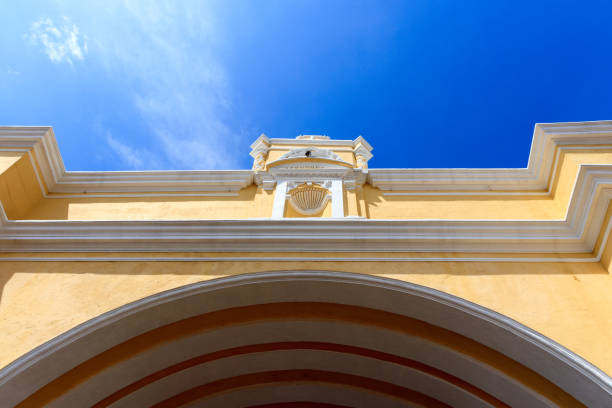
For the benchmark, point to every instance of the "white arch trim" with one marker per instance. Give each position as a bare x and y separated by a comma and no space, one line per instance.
549,359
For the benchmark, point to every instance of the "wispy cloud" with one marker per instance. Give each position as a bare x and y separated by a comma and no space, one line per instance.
126,153
62,42
135,158
166,55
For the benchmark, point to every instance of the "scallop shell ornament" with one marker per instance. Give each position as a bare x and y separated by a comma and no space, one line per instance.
308,199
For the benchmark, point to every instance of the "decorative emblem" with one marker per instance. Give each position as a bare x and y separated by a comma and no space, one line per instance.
308,198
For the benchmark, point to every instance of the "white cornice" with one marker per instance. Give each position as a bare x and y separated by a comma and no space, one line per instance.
152,181
548,141
261,145
576,234
49,169
317,142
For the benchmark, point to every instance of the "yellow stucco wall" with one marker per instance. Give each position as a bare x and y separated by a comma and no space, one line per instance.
20,195
7,159
257,203
568,302
19,188
251,202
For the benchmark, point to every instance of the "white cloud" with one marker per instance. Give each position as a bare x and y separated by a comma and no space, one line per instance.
166,55
135,158
61,43
127,154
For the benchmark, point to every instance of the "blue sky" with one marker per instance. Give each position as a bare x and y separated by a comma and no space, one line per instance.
141,84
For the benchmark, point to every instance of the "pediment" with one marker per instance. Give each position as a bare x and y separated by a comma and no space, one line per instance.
310,158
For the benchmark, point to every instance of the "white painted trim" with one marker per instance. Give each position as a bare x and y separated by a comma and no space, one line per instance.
154,181
311,142
38,180
41,144
337,199
542,161
541,165
334,149
434,182
137,195
577,233
128,258
465,193
280,200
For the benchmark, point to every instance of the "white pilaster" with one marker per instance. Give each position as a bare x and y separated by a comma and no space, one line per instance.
337,199
280,198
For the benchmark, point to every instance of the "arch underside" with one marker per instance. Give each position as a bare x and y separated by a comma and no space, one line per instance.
294,339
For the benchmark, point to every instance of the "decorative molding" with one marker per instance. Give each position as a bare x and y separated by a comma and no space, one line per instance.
310,165
307,166
317,142
548,141
312,137
153,181
285,259
308,199
284,149
140,195
578,233
309,153
259,152
331,182
261,145
54,179
362,151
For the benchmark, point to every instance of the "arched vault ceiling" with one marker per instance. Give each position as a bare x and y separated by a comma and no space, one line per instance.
285,338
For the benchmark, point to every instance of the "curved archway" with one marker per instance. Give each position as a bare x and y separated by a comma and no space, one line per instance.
281,339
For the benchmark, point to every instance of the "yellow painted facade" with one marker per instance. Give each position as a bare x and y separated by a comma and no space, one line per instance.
22,200
568,302
567,298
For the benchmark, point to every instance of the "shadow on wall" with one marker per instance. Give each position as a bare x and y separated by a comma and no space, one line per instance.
241,205
5,276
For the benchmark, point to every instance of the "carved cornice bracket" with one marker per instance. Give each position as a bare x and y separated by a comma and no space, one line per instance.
351,178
